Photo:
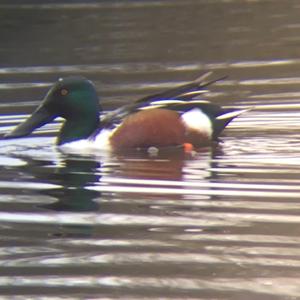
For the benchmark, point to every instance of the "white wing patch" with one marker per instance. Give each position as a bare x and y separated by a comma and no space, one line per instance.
193,94
175,101
195,119
166,102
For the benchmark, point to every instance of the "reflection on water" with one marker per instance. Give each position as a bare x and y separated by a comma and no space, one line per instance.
222,223
73,177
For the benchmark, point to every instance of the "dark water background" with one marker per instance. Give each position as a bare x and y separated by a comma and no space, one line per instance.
220,224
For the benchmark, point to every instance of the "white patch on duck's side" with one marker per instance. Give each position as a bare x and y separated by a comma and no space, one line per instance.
197,120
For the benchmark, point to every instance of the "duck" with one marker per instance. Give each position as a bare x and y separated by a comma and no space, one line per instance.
171,118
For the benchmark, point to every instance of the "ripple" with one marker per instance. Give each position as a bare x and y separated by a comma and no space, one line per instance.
175,191
275,240
280,286
112,219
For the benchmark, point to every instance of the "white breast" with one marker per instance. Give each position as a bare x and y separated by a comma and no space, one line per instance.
101,142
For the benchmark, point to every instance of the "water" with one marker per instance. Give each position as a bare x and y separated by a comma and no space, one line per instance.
222,223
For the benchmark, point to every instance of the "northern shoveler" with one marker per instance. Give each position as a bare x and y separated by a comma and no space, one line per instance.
169,118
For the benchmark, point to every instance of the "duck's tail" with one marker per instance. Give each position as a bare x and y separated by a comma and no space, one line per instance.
225,118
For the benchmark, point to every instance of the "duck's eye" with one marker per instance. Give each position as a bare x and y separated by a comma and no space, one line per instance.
64,92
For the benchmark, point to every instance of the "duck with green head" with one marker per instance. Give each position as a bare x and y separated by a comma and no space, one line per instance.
169,118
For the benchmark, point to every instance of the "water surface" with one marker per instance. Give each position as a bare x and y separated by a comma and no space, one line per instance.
221,223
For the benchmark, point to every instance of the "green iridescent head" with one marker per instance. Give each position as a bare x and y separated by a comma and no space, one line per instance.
72,98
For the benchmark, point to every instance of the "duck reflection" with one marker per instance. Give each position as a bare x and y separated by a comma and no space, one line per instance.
73,175
166,165
88,186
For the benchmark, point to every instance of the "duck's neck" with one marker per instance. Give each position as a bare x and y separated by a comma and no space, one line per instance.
77,129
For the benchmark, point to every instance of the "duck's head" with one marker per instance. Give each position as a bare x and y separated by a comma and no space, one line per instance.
72,98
